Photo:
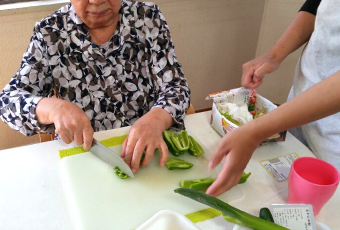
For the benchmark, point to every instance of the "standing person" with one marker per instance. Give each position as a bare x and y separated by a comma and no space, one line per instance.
112,64
313,103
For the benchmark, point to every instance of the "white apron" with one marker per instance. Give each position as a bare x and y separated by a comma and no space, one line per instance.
319,60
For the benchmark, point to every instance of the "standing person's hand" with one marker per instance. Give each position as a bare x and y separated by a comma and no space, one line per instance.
145,136
256,69
71,123
237,148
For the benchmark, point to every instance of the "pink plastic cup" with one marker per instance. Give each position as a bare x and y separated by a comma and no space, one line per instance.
312,181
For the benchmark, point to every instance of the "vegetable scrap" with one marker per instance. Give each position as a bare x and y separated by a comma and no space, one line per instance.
119,173
204,183
195,149
244,177
174,163
180,143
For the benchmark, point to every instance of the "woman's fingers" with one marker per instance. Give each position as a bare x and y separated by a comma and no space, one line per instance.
164,152
148,156
71,123
220,152
124,147
227,178
87,138
145,136
254,71
78,137
136,157
64,137
130,148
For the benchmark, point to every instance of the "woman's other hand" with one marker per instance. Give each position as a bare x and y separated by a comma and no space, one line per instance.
255,70
237,148
71,123
297,34
145,136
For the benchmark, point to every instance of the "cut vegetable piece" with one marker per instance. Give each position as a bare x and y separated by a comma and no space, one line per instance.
174,163
204,183
167,136
119,173
197,184
195,148
181,141
244,177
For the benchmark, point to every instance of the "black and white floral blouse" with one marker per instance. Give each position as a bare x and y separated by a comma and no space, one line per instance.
115,83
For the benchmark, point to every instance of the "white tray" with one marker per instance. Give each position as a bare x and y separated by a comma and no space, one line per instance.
168,220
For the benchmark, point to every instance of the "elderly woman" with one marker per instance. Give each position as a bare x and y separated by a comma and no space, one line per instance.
111,63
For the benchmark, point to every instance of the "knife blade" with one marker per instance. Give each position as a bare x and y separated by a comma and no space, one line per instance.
110,157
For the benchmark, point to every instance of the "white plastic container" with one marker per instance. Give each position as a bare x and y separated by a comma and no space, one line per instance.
240,96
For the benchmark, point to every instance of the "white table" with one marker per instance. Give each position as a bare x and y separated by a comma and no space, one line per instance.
32,193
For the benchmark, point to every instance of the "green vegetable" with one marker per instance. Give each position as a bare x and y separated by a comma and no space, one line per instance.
230,118
181,141
119,173
266,214
257,115
244,177
197,184
204,183
251,107
230,213
167,136
195,149
174,163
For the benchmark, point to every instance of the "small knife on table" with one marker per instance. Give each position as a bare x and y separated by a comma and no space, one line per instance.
110,157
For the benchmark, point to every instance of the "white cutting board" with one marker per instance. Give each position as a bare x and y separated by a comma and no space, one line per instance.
100,200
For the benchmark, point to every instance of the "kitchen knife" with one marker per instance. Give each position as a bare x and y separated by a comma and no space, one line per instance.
110,157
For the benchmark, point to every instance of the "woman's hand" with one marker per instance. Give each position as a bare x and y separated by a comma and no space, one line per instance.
145,136
237,148
297,34
256,69
71,123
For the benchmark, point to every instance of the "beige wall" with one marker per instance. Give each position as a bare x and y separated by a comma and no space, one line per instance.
277,16
16,31
212,38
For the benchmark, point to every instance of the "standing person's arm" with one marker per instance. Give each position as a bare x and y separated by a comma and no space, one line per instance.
297,34
237,147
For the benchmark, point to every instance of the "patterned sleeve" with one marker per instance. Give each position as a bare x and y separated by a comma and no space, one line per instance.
171,85
19,98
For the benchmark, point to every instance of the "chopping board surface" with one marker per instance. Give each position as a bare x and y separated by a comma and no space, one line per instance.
101,200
